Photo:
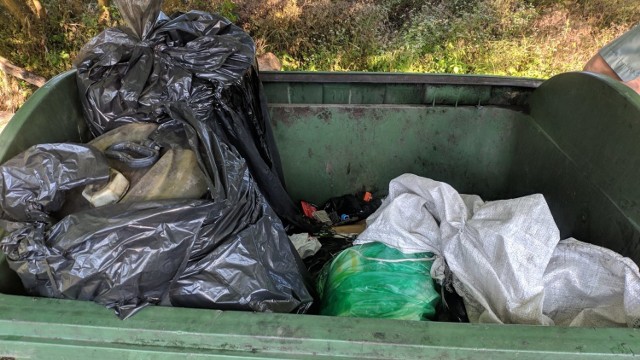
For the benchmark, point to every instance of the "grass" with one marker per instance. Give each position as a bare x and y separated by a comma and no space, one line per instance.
532,38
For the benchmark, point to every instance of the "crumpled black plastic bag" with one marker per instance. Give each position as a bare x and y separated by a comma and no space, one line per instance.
124,256
198,59
227,253
193,73
34,183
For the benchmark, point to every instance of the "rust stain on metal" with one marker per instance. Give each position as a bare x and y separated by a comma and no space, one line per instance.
281,116
325,116
357,112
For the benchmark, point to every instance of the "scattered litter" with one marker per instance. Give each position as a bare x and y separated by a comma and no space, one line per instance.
332,245
322,217
350,208
305,245
307,209
350,230
342,210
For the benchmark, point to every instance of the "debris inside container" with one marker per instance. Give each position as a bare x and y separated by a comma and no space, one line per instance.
180,200
374,280
178,111
332,245
343,210
196,66
305,244
505,258
493,262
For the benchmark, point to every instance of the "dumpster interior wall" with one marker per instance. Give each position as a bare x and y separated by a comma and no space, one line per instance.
475,141
490,140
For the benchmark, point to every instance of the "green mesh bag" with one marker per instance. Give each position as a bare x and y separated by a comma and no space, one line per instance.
377,281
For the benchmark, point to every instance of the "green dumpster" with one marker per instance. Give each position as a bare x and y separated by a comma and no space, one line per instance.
572,138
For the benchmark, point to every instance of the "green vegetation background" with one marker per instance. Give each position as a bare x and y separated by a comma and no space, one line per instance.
529,38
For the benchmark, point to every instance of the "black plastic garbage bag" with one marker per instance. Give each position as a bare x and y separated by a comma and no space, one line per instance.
34,183
123,256
198,59
193,74
228,253
255,266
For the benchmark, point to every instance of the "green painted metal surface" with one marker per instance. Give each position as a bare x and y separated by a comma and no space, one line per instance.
608,128
68,329
338,149
395,88
50,115
488,136
595,121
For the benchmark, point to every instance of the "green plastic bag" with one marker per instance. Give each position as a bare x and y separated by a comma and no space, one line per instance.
377,281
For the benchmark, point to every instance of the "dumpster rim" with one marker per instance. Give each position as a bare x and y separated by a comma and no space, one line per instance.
397,78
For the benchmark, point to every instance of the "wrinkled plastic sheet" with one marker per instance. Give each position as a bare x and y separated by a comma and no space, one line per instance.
591,286
505,258
192,72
